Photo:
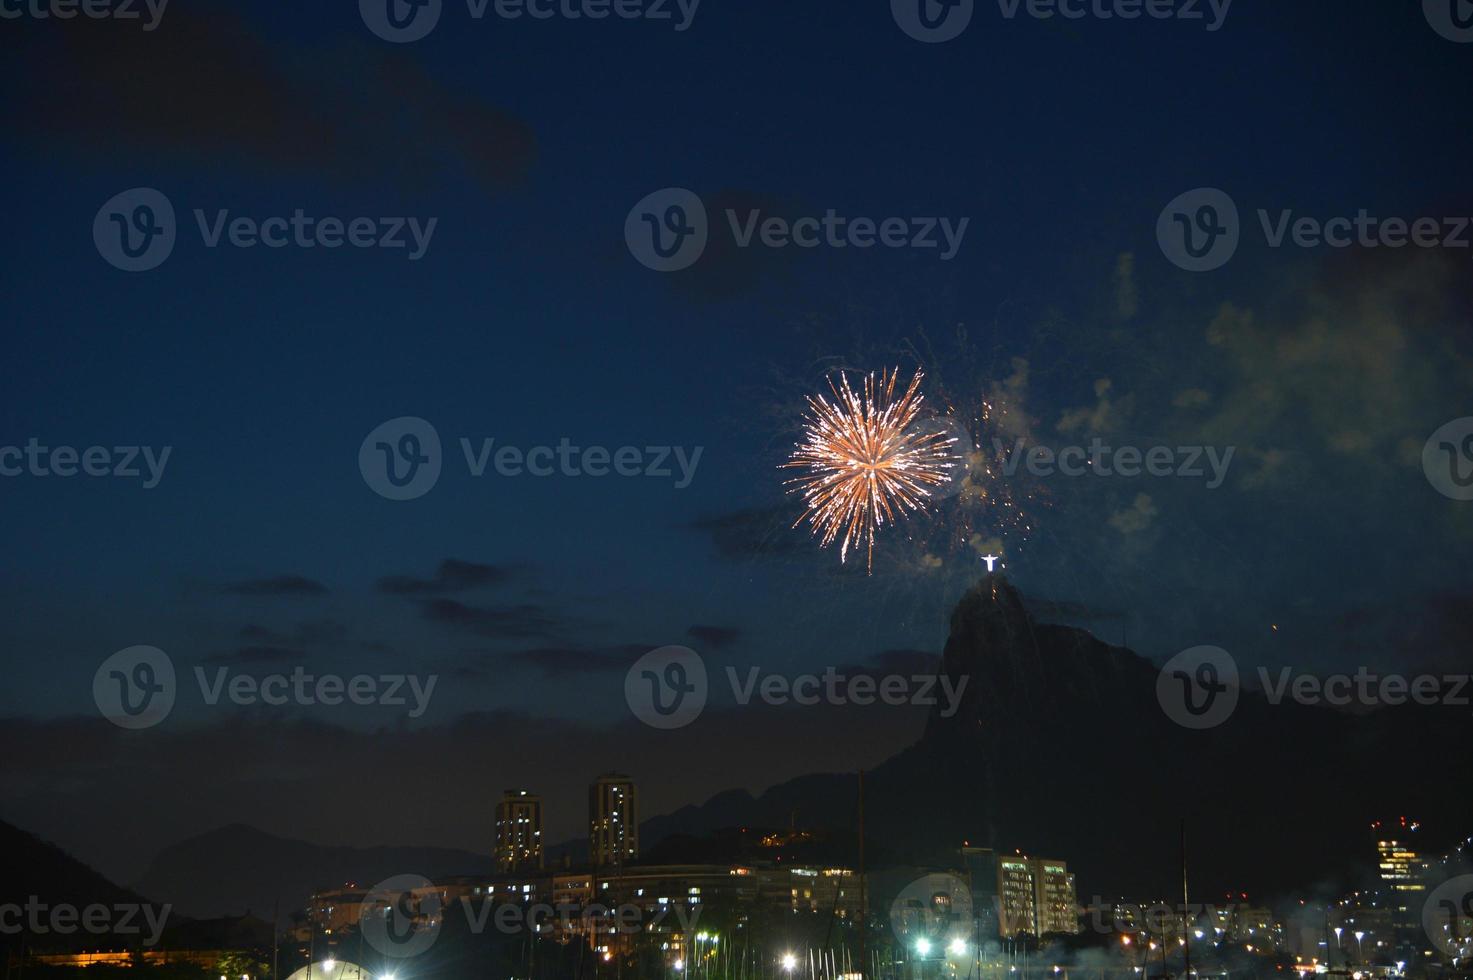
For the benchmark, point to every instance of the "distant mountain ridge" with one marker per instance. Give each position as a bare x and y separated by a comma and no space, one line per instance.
34,866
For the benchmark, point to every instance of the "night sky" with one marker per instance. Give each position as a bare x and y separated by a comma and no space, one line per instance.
527,320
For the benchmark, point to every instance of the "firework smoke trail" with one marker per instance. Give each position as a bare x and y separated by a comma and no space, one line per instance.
865,461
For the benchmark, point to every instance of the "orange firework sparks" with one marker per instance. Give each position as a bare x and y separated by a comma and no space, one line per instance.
866,461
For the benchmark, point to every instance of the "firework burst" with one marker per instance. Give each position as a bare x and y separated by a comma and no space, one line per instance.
866,462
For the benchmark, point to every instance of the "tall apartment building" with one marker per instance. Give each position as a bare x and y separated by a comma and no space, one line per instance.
1016,912
518,832
1035,896
1055,903
1404,874
613,821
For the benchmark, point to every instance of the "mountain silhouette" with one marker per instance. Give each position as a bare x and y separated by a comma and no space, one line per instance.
1060,748
37,867
38,873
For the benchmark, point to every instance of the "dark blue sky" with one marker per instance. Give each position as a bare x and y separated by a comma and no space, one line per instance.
528,320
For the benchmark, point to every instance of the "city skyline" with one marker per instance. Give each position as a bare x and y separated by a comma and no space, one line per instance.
977,910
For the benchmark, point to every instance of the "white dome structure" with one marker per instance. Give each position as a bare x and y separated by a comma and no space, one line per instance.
331,970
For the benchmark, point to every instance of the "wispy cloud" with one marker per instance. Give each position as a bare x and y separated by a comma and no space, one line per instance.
717,637
208,86
256,655
278,585
516,621
453,575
